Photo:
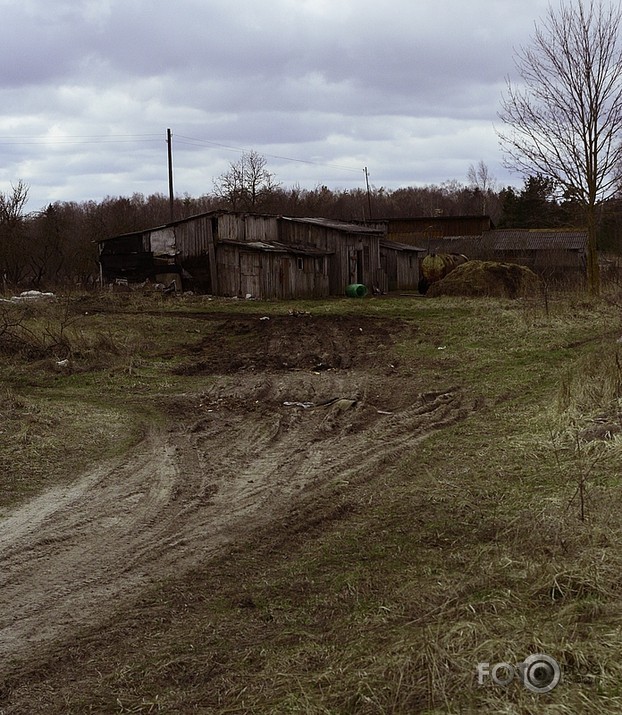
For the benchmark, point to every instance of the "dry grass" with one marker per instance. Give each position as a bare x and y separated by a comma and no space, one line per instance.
382,593
488,279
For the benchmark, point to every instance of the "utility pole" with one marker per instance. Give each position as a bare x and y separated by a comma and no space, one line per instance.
368,193
171,199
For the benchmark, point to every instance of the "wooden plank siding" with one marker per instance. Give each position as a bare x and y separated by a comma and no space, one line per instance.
355,256
400,264
549,252
226,253
269,274
195,252
286,276
415,231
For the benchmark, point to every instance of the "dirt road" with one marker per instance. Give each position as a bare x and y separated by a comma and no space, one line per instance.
234,457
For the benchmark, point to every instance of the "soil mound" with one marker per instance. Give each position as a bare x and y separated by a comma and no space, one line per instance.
487,278
293,342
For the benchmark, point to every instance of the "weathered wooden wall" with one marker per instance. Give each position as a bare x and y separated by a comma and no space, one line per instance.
246,227
270,274
194,244
355,258
290,258
400,267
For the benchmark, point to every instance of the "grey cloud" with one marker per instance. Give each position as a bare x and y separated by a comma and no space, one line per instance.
410,87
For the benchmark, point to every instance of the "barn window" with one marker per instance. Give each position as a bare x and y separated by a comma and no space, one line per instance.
300,262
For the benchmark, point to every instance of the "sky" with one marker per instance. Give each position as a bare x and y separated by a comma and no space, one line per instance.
322,89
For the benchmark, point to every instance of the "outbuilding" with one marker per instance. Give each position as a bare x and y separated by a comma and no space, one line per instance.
400,265
231,253
552,253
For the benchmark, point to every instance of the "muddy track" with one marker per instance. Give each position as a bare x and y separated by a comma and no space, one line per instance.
234,459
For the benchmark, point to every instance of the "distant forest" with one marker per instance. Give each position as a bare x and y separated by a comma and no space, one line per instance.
57,246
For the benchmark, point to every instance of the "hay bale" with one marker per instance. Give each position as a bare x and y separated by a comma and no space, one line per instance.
487,278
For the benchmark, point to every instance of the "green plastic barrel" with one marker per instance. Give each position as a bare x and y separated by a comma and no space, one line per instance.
356,290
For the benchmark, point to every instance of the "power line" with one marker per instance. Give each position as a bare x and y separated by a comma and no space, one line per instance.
192,141
80,139
23,139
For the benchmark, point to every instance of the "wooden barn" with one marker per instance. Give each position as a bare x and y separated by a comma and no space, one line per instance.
271,270
554,253
354,249
419,230
400,265
550,252
228,253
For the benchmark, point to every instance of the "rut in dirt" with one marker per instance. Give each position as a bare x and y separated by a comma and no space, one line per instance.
235,458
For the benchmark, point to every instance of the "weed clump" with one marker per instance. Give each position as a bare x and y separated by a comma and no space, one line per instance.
592,384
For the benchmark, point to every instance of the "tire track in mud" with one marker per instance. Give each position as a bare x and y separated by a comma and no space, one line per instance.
74,555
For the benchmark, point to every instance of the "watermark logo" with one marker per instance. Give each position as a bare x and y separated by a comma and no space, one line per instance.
539,673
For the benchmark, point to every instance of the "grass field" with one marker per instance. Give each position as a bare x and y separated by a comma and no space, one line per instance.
489,534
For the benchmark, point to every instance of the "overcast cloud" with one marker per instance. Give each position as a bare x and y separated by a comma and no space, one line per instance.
408,88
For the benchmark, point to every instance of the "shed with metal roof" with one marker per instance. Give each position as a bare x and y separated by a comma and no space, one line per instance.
233,253
549,252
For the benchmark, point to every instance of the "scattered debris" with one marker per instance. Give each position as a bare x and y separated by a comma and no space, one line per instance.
320,367
31,295
340,403
265,317
344,404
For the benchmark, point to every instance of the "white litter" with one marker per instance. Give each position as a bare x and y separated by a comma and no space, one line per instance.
32,295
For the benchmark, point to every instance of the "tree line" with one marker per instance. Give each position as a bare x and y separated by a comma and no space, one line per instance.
57,246
562,131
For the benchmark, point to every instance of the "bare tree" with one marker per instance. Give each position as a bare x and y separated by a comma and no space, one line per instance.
12,204
13,254
564,121
247,183
480,178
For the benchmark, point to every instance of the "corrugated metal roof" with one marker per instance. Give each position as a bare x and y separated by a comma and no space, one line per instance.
510,240
453,244
336,225
323,222
401,246
276,247
535,240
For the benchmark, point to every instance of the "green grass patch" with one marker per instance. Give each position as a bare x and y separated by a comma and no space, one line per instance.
496,537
